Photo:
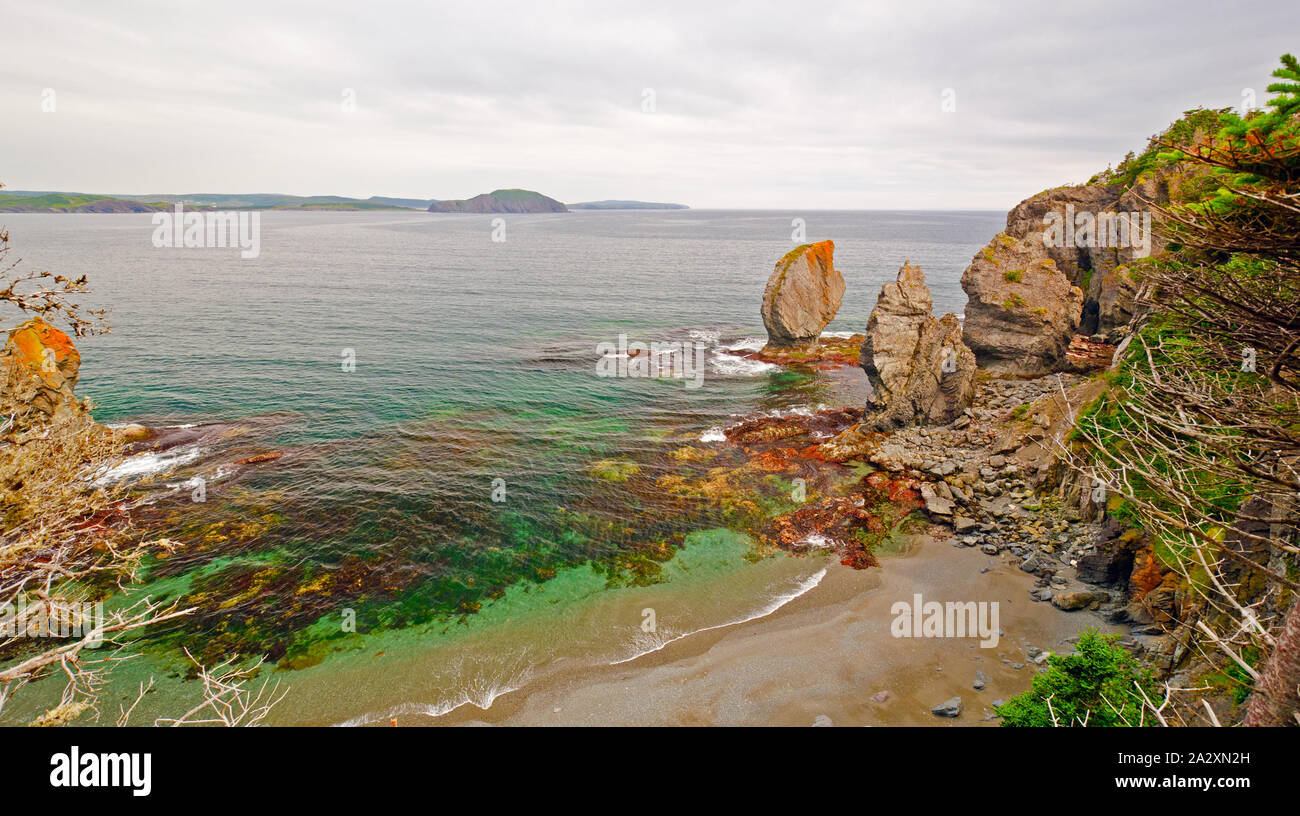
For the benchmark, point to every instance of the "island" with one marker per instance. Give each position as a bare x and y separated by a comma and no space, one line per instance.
501,201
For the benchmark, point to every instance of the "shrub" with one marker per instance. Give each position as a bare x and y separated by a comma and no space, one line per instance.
1097,686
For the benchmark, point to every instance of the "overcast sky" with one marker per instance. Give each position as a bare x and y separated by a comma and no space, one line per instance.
764,105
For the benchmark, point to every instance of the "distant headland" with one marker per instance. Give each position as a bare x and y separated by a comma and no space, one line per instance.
497,201
610,204
501,201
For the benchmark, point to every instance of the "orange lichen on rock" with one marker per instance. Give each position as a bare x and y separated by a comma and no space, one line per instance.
41,365
1147,573
899,489
802,295
45,350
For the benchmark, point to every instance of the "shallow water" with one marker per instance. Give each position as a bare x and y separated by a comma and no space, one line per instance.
474,362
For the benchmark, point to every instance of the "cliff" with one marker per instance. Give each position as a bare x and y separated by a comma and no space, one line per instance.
1067,261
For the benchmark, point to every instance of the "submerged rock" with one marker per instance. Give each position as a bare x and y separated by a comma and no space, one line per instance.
919,369
259,458
802,295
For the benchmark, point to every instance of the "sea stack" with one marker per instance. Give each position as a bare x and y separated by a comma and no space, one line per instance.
802,295
919,369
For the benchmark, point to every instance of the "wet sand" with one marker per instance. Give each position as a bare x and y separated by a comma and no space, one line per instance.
827,653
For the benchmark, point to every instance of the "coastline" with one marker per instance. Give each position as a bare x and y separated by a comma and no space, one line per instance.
825,653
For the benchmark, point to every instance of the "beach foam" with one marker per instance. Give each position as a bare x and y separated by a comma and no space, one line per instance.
804,587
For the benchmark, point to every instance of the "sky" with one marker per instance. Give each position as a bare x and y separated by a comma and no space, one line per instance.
858,105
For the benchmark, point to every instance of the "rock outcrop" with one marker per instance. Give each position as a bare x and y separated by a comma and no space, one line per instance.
40,366
1022,311
802,295
501,201
1021,314
919,369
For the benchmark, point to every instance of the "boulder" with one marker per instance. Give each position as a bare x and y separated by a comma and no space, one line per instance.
41,366
918,368
802,295
936,504
951,707
135,433
1073,600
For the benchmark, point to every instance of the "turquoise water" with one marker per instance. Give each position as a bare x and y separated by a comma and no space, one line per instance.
474,371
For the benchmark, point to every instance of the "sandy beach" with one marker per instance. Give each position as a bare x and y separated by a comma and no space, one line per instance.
825,654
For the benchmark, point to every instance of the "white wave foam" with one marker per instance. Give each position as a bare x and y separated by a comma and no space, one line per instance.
842,334
781,413
479,691
729,365
748,344
146,464
713,435
804,587
817,541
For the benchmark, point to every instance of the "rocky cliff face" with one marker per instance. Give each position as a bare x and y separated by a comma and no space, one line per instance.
40,366
1021,313
919,369
501,201
1022,309
802,295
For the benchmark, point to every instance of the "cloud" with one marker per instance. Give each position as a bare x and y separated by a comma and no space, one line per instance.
778,105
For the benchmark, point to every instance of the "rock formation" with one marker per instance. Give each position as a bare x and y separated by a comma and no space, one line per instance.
501,201
40,366
802,295
918,367
1020,316
1022,311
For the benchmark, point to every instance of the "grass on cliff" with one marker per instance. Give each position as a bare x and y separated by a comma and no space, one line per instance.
1110,421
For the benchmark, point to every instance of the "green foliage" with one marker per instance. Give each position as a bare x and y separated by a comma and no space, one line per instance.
1013,275
1196,124
1234,677
1258,149
1097,686
515,194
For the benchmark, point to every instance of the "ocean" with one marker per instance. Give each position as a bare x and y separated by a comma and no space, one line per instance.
460,505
